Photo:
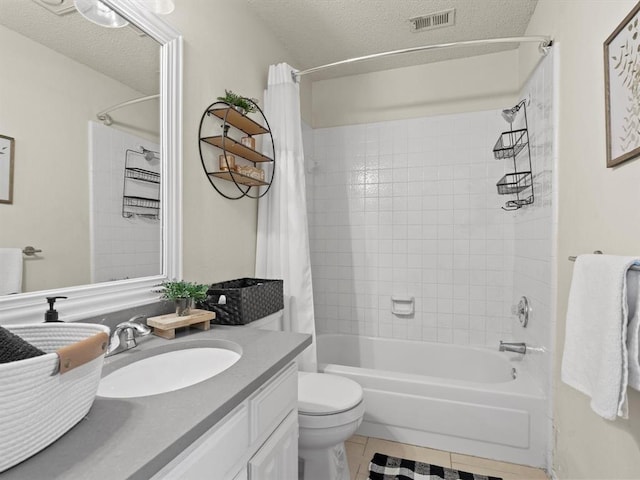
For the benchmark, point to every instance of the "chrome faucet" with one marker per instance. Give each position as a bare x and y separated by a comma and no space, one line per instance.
517,347
125,333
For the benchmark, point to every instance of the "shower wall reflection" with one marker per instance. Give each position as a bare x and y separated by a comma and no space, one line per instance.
50,92
125,242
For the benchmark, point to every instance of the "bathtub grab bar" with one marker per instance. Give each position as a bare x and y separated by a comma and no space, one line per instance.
572,258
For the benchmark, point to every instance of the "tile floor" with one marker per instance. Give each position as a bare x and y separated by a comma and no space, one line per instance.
360,450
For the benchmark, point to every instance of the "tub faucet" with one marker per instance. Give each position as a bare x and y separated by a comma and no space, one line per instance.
517,347
124,335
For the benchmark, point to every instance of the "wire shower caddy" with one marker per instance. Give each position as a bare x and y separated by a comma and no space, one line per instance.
508,146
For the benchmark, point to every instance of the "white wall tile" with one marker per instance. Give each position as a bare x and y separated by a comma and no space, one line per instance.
431,226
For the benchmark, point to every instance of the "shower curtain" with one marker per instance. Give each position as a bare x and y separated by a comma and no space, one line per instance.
283,238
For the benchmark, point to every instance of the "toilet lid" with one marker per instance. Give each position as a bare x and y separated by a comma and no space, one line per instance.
325,394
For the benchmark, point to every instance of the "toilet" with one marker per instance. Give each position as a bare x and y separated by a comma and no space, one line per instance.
330,410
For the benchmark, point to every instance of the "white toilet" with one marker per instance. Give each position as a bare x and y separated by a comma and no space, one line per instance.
330,410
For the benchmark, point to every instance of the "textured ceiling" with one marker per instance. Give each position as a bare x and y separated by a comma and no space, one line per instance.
317,32
120,53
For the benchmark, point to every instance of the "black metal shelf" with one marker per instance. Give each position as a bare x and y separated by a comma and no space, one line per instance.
142,175
228,145
238,120
138,179
508,146
239,178
513,183
143,202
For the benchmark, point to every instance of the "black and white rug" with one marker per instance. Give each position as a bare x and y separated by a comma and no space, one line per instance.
383,467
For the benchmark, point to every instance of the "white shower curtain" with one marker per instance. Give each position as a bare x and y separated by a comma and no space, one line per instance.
283,237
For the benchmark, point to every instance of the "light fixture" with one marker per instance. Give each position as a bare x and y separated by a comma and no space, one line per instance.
97,12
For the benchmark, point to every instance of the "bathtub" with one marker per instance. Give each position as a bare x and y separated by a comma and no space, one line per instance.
461,399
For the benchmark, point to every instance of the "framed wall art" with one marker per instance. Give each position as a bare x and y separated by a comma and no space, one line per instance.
622,90
6,169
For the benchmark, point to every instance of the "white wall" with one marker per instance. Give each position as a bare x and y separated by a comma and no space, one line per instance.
46,100
598,209
225,46
462,85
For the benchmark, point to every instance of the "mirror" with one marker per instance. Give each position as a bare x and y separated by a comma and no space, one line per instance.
60,70
64,182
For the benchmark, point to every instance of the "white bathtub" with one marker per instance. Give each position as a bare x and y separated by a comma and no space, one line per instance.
447,397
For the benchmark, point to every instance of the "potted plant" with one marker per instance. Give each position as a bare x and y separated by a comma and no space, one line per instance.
242,104
183,294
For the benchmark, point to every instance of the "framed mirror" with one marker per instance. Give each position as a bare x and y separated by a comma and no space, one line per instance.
99,295
6,169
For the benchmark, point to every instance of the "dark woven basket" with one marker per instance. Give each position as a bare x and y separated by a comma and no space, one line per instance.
247,299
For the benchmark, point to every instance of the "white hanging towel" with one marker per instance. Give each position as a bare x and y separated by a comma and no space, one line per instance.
10,271
633,330
282,247
595,358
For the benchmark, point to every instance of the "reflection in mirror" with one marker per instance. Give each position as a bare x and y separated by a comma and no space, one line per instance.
85,193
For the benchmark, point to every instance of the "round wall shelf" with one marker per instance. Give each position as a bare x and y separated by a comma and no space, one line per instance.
218,152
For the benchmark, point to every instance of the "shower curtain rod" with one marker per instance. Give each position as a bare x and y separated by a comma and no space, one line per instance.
104,116
544,41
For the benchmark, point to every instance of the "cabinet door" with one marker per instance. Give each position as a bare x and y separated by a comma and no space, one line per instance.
277,459
215,453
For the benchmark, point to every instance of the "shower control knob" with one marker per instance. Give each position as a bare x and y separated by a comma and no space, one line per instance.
522,310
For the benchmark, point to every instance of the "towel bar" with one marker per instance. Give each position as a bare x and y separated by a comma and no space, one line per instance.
30,251
572,258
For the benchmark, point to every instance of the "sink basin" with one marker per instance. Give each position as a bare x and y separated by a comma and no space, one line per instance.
166,372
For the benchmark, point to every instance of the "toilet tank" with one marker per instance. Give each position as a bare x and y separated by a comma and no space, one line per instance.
275,321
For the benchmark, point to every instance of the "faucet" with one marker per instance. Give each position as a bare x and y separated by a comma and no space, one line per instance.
517,347
124,335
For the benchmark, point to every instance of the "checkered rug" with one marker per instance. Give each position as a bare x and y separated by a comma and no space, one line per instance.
383,467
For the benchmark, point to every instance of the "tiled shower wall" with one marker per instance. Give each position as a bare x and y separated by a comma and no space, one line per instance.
535,228
120,247
410,208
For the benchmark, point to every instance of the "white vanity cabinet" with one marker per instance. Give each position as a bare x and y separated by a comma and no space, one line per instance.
258,440
277,459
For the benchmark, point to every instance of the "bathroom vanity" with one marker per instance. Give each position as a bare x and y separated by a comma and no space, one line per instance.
239,425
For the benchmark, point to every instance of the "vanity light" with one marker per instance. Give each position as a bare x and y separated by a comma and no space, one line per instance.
97,12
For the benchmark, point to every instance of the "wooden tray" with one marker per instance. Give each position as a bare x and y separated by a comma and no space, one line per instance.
165,325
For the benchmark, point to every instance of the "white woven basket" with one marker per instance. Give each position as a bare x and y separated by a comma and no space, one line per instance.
41,398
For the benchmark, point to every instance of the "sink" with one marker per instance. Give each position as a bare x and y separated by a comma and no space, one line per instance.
166,372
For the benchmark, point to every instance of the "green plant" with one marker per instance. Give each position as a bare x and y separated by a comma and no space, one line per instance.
180,289
248,104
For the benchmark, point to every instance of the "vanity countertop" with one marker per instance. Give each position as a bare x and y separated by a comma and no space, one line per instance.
135,437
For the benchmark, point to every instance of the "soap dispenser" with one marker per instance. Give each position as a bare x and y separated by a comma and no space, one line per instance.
51,315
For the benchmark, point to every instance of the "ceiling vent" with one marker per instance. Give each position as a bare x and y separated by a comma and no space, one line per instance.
59,7
445,18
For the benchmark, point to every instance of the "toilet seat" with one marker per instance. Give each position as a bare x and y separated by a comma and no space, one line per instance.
355,414
325,394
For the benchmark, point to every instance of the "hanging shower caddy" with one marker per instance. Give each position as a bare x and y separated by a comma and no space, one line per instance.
508,147
245,176
141,190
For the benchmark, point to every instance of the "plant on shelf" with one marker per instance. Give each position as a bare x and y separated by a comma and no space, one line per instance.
183,294
240,103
